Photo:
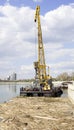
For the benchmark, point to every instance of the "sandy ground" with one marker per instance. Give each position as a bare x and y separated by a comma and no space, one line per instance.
37,113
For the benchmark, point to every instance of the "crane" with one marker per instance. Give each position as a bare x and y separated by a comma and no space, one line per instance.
42,86
40,66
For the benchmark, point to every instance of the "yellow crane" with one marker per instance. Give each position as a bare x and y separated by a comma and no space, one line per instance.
40,66
43,80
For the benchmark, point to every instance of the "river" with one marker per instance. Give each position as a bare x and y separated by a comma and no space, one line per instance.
10,90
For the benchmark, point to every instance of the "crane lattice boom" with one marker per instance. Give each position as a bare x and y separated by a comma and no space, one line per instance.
40,65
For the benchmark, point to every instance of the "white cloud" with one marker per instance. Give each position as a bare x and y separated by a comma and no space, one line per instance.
17,39
60,67
72,5
60,24
27,71
59,53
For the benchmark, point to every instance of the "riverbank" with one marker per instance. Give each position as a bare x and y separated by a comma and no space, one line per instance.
37,113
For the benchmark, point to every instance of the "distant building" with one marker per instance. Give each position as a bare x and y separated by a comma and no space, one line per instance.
12,77
8,78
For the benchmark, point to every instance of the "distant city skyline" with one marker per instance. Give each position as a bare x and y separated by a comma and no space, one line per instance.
12,77
18,36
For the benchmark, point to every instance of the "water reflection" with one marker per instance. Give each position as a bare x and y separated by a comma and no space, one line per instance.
13,88
7,92
65,93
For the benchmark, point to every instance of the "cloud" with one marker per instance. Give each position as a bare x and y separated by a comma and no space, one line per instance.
72,5
60,24
61,67
27,71
18,48
59,54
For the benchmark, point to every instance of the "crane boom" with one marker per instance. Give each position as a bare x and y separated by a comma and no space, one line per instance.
41,66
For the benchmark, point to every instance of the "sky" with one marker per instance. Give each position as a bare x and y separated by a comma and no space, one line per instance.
18,36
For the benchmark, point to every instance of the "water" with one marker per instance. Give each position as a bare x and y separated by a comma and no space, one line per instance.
10,90
65,93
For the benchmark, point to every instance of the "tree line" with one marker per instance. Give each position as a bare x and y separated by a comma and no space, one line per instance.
65,77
